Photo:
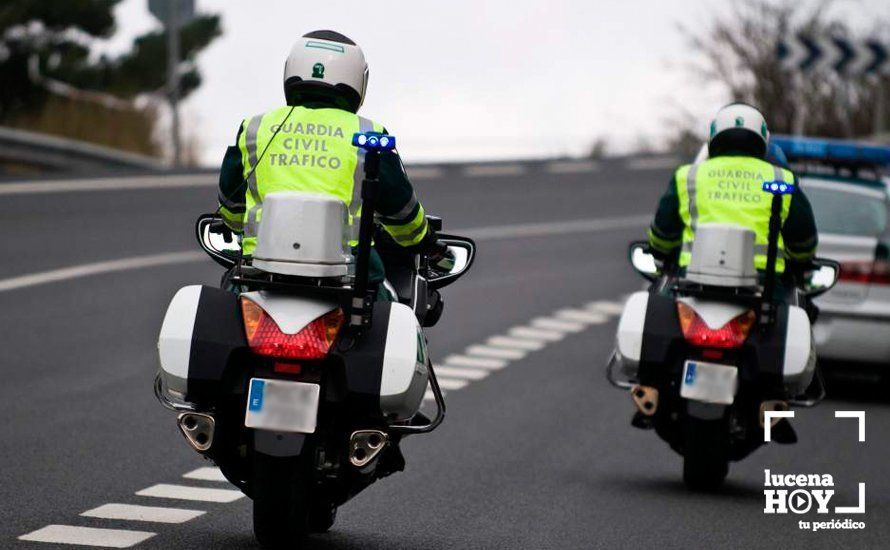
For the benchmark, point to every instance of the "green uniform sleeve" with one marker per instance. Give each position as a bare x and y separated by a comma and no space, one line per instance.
666,231
232,191
400,213
799,231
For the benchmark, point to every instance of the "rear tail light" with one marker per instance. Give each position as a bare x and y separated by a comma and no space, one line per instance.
264,337
877,272
731,335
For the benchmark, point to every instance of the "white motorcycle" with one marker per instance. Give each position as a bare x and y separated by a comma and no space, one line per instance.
707,352
300,386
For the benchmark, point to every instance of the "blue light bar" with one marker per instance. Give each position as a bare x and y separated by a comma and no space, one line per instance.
832,151
372,141
778,188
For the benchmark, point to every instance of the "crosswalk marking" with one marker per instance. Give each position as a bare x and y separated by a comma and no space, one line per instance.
496,352
521,343
88,536
184,492
205,474
133,512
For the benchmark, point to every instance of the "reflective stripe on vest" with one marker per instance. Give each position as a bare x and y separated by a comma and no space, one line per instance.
728,190
303,150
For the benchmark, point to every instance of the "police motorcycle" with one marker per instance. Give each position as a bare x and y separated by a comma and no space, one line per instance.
301,386
706,353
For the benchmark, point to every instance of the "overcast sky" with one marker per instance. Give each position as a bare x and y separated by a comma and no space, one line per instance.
469,79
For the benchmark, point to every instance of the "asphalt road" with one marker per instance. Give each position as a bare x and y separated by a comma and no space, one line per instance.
536,455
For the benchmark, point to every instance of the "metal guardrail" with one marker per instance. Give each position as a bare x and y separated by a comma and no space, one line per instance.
68,155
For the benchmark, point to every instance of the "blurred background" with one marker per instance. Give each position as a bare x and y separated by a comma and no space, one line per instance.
516,80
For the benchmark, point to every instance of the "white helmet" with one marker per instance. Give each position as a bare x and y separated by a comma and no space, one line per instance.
738,127
327,64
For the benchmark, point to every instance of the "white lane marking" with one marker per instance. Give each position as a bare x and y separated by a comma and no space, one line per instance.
485,170
460,372
536,334
547,229
206,474
497,353
607,307
168,258
451,383
571,167
85,270
425,173
549,323
132,512
110,184
510,343
581,316
653,163
474,362
88,536
184,492
428,396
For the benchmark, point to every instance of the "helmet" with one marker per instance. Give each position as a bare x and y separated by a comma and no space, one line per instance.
326,65
738,127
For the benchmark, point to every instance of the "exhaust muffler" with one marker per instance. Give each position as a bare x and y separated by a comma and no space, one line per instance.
365,445
198,429
645,398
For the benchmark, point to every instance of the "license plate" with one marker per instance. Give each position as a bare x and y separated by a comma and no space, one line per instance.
709,382
282,406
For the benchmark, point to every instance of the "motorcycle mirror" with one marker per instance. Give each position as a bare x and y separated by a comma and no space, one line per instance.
212,236
823,278
642,261
461,253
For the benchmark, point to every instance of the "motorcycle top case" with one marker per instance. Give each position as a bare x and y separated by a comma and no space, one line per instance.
201,331
386,368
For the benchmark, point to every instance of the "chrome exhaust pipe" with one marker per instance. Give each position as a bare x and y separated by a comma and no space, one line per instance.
645,398
365,445
198,429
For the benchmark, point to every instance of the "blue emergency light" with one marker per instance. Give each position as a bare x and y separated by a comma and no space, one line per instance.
373,141
778,187
832,151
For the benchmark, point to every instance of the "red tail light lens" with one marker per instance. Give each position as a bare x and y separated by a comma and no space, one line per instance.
265,338
877,272
731,335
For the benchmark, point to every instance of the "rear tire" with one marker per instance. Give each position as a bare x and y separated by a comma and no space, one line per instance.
280,503
705,461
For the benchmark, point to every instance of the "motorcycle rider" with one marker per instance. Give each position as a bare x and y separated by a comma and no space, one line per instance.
726,188
306,146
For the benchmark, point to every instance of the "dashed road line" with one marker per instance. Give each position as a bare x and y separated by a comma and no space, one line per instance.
451,383
571,167
206,474
549,323
496,352
425,173
485,170
88,536
185,492
133,512
653,163
500,350
515,343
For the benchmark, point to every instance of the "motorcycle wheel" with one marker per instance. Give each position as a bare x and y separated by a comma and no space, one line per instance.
280,503
705,461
